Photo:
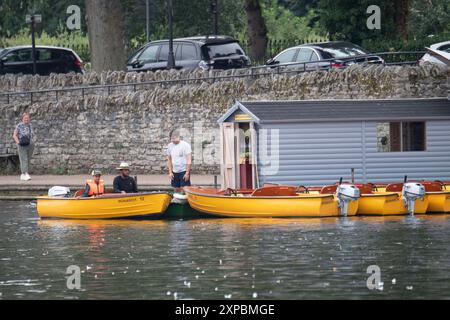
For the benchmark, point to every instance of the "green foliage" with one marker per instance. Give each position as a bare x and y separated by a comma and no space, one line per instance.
346,20
75,40
53,13
289,22
195,18
283,24
299,7
393,45
429,18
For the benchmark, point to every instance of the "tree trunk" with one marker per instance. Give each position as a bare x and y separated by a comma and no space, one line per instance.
105,22
257,31
401,15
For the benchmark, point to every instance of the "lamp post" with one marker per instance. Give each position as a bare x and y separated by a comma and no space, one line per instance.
215,12
147,19
33,20
171,57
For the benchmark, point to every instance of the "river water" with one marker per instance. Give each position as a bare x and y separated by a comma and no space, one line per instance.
223,258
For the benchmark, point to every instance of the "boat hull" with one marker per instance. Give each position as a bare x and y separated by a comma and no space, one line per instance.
388,203
145,205
439,202
250,207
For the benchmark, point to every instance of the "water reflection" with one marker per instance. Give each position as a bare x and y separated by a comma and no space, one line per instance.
222,258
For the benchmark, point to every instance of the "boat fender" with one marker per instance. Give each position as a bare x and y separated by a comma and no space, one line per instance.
412,192
180,196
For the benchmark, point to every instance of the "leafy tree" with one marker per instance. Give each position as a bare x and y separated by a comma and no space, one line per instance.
54,15
256,28
429,18
190,18
346,19
106,34
282,23
403,22
299,7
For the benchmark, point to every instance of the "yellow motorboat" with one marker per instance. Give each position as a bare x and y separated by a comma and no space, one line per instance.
273,201
108,206
439,202
389,201
437,195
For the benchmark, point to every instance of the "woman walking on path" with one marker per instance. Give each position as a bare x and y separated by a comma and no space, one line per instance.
23,136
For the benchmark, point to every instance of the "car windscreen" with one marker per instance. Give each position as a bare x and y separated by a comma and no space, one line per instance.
135,56
2,51
213,51
343,50
445,48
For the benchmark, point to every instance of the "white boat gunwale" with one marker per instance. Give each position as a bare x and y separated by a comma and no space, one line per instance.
313,196
106,196
374,195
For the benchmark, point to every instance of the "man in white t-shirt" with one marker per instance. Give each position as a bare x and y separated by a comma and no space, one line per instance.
179,159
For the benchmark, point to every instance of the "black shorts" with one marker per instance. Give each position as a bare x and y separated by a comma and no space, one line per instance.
178,181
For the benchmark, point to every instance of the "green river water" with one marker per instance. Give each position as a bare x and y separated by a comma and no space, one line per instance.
223,258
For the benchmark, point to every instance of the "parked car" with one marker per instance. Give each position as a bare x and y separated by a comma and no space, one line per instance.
441,46
48,60
325,55
217,52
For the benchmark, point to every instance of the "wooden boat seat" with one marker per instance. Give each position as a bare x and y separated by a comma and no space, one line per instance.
275,191
328,189
364,188
432,186
394,187
230,191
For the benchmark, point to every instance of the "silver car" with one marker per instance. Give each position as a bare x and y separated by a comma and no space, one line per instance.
441,46
324,55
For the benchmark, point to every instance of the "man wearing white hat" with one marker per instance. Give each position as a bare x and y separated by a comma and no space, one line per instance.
124,183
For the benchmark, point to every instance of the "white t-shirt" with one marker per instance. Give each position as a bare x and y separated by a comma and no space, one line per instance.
178,153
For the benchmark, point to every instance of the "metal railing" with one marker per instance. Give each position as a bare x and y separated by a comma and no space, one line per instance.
252,72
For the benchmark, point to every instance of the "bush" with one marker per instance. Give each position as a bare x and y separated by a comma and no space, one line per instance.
75,40
417,44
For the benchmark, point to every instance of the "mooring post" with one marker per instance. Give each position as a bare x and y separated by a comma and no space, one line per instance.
215,181
353,175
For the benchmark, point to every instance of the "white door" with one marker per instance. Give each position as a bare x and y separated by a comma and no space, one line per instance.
228,158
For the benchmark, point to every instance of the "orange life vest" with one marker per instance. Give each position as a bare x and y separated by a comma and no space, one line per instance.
94,188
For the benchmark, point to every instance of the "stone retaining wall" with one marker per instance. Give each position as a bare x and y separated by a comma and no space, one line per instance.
75,135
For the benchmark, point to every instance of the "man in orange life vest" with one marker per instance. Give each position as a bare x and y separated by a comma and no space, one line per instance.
94,187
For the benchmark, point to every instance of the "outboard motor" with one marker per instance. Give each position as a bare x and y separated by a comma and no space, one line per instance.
58,191
344,194
411,192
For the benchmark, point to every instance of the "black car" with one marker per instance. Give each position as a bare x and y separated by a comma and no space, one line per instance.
217,52
48,60
325,55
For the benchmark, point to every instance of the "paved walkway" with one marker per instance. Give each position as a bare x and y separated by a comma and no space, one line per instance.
13,189
79,180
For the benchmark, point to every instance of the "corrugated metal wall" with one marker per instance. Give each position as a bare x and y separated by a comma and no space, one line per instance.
315,153
434,163
320,153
